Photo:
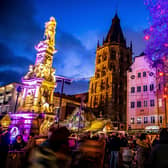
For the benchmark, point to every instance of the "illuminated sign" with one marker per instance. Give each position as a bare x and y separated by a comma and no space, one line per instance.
14,132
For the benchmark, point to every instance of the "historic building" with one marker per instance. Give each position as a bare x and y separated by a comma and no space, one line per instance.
108,87
145,96
8,96
39,82
69,104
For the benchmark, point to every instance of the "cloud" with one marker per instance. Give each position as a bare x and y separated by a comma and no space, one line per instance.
12,67
18,26
137,39
73,58
9,76
75,87
20,31
9,59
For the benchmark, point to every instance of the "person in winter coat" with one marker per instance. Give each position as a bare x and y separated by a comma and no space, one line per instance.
115,149
143,151
19,143
159,154
156,141
53,153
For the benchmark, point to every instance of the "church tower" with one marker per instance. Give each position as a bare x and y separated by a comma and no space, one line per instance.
39,82
108,87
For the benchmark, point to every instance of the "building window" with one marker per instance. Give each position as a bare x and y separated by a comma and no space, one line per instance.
161,119
130,69
1,100
139,74
138,103
145,103
144,74
132,76
139,120
138,88
152,119
145,88
132,104
160,102
132,120
152,103
7,108
151,87
145,120
99,59
132,89
113,54
150,73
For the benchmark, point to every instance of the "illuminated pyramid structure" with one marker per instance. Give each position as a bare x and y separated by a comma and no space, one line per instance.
39,82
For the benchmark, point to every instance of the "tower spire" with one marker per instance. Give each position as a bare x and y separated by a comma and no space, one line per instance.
115,33
131,45
103,39
98,44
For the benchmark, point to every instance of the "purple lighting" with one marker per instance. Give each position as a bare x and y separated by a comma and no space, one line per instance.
21,124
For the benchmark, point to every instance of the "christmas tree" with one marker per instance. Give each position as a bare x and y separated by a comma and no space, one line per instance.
157,34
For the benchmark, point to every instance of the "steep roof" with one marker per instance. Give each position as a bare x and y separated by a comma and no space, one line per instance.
115,33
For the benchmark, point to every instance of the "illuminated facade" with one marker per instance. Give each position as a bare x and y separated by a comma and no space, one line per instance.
39,82
108,87
145,102
69,103
8,95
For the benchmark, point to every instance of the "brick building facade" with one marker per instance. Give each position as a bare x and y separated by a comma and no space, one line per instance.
108,87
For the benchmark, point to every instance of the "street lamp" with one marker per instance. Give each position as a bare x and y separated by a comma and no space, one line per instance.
19,90
80,110
66,81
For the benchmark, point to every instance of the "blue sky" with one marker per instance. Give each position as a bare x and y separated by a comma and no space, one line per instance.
80,24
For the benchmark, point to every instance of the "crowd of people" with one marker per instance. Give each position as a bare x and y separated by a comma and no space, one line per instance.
112,150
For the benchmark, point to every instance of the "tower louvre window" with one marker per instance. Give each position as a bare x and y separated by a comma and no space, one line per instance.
104,57
113,54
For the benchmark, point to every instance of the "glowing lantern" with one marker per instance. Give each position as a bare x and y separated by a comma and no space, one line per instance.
164,96
166,44
5,122
146,37
160,73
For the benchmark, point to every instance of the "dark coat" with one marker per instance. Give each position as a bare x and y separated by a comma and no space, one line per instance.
159,156
143,152
115,144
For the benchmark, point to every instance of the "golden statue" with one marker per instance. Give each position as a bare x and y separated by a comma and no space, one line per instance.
50,27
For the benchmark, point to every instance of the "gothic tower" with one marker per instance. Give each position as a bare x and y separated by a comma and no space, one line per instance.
39,82
108,87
